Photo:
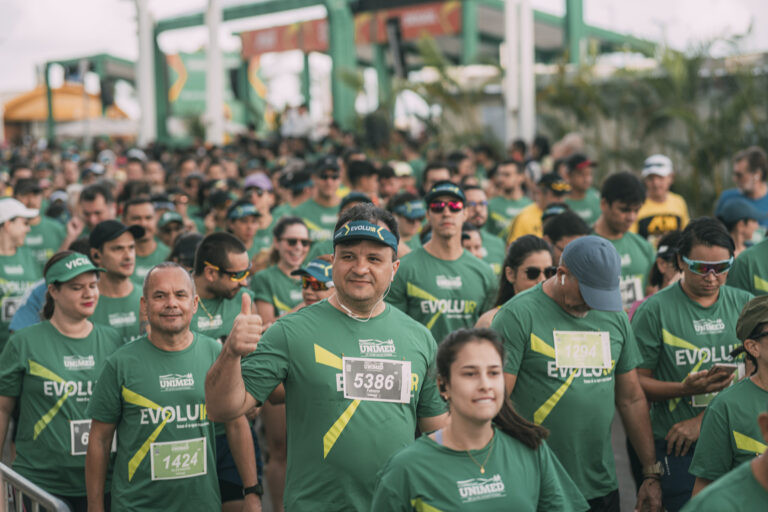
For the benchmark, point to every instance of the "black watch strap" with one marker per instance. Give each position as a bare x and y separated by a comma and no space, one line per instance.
254,489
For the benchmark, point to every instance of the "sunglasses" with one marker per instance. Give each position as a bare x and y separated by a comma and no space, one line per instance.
259,192
439,206
310,282
233,276
293,241
534,272
328,176
703,268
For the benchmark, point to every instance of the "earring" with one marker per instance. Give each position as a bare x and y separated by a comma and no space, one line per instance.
562,280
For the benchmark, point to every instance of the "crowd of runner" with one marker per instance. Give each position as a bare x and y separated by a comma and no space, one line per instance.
438,331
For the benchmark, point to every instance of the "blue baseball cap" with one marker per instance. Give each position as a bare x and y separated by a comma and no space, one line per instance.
596,264
411,210
364,230
738,209
445,188
317,268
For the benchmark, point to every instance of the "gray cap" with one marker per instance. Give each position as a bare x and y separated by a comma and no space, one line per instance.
596,264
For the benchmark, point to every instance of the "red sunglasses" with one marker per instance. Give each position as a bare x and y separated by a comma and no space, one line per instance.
439,206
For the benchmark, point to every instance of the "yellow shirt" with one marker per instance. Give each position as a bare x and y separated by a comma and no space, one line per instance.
656,219
527,222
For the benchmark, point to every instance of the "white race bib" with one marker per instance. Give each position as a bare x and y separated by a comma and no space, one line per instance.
79,434
378,380
582,349
179,459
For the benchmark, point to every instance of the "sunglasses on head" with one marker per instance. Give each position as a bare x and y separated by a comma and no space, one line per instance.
534,272
703,268
293,241
328,176
233,276
439,206
311,282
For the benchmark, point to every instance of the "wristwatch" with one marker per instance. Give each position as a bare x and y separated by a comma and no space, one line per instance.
254,489
653,471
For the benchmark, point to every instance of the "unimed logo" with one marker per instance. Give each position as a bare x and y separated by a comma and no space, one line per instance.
176,381
476,489
377,346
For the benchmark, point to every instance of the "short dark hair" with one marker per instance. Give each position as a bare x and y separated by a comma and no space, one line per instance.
357,169
372,214
134,201
624,187
565,224
215,249
672,242
756,160
91,192
401,198
704,231
516,254
431,166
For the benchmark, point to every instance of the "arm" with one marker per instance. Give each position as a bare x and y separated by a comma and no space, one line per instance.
266,311
699,486
241,446
432,423
278,395
7,403
96,462
633,408
225,394
694,384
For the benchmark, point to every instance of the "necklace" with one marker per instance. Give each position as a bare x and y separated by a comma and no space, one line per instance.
210,316
482,466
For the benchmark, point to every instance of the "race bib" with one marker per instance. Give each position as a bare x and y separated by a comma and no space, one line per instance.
631,290
582,349
179,459
79,433
8,308
378,380
703,400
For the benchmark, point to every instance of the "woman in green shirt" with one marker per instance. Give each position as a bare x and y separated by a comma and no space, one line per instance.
49,370
729,434
489,457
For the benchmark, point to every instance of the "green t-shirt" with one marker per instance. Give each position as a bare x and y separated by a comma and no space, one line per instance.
320,220
414,243
637,256
495,251
44,239
502,211
575,404
281,211
283,292
263,238
53,376
588,208
145,263
516,478
443,295
120,313
417,166
738,491
214,317
337,445
320,248
17,275
677,336
750,270
729,433
156,398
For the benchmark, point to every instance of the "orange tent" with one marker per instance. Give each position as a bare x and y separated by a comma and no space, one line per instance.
68,105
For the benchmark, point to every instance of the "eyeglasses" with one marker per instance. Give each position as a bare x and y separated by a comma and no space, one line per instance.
477,203
293,241
439,206
703,268
233,276
328,176
259,192
311,282
533,273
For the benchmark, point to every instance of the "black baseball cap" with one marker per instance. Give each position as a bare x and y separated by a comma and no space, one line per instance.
326,163
27,186
108,230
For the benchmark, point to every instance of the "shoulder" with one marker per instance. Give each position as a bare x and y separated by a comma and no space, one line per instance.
412,455
106,332
736,296
731,394
207,343
754,252
475,263
265,274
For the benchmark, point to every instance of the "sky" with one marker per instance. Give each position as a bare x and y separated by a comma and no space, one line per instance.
35,31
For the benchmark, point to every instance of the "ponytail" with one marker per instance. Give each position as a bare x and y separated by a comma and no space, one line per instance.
47,312
517,427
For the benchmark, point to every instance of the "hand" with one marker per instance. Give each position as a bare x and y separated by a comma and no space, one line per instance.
706,382
252,503
75,227
246,330
682,435
649,496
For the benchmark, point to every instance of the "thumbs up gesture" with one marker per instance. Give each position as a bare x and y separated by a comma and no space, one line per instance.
246,330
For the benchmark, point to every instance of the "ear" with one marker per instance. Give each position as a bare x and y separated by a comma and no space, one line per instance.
95,255
752,347
510,275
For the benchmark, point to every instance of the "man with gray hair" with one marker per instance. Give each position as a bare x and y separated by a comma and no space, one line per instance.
571,355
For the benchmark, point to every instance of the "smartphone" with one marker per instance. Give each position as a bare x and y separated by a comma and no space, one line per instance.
726,368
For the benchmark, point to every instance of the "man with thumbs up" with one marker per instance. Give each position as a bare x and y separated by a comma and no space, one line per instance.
356,371
151,393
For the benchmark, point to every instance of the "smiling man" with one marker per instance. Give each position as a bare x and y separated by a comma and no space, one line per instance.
356,372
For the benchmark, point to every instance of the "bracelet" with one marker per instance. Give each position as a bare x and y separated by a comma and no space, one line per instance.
254,489
652,477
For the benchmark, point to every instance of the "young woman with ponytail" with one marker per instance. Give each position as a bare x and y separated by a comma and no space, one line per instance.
487,457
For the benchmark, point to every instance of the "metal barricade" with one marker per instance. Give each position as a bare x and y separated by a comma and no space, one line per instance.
15,488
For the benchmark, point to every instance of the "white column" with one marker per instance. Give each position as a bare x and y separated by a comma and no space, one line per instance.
527,127
510,63
214,77
519,78
145,74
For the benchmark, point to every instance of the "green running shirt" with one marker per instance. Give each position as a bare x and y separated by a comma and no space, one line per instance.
738,491
44,239
214,317
17,275
750,270
501,213
145,263
336,445
320,220
120,313
276,288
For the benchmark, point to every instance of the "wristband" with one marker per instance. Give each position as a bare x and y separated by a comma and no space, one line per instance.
254,489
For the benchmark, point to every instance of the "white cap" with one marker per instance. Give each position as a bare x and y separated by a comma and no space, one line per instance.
657,164
11,208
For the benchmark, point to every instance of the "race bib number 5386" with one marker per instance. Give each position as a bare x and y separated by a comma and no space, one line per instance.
378,380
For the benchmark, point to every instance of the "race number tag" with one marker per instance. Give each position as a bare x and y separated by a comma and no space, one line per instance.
378,380
582,349
179,459
79,433
631,290
703,400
